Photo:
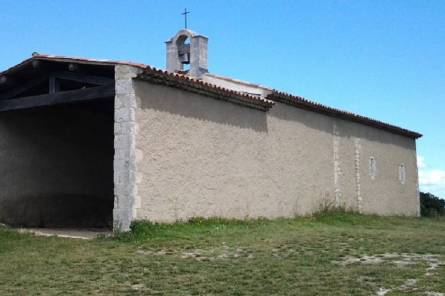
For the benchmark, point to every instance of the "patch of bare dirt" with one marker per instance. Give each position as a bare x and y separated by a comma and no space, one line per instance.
81,233
400,260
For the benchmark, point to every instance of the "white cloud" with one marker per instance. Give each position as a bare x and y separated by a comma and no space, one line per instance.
421,162
430,179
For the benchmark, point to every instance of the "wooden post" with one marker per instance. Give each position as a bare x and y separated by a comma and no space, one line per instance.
54,85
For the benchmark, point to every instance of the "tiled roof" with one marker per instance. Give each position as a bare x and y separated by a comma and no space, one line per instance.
56,58
197,86
180,81
162,77
303,103
238,81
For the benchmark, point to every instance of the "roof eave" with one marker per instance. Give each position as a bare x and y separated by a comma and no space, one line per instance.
303,103
200,87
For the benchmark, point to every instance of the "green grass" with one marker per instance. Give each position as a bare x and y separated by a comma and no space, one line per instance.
301,256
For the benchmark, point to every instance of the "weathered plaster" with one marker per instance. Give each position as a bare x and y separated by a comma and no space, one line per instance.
382,194
358,190
204,157
337,168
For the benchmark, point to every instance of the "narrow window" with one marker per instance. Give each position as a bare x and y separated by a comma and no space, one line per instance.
402,174
372,167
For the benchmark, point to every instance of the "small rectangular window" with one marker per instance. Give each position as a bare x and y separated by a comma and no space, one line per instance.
402,174
372,167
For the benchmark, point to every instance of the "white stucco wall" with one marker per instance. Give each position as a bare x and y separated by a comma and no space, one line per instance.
203,157
383,194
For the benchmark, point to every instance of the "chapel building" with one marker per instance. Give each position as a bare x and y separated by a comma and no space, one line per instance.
98,143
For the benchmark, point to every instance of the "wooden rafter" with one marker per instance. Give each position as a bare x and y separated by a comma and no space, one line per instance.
23,88
84,78
3,79
58,98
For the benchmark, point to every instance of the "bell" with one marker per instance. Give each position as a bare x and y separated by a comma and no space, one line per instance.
184,58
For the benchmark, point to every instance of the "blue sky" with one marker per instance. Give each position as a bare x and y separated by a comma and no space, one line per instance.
383,59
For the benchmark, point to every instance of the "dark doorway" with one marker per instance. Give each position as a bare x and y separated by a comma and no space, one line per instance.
56,165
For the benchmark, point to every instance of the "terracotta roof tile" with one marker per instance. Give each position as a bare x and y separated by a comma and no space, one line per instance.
197,86
79,60
162,77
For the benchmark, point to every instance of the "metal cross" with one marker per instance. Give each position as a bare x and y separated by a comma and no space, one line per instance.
185,17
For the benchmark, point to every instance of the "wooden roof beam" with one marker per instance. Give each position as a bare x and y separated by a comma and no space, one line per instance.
62,97
3,79
83,78
23,88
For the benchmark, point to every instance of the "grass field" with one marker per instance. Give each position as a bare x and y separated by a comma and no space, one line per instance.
331,254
